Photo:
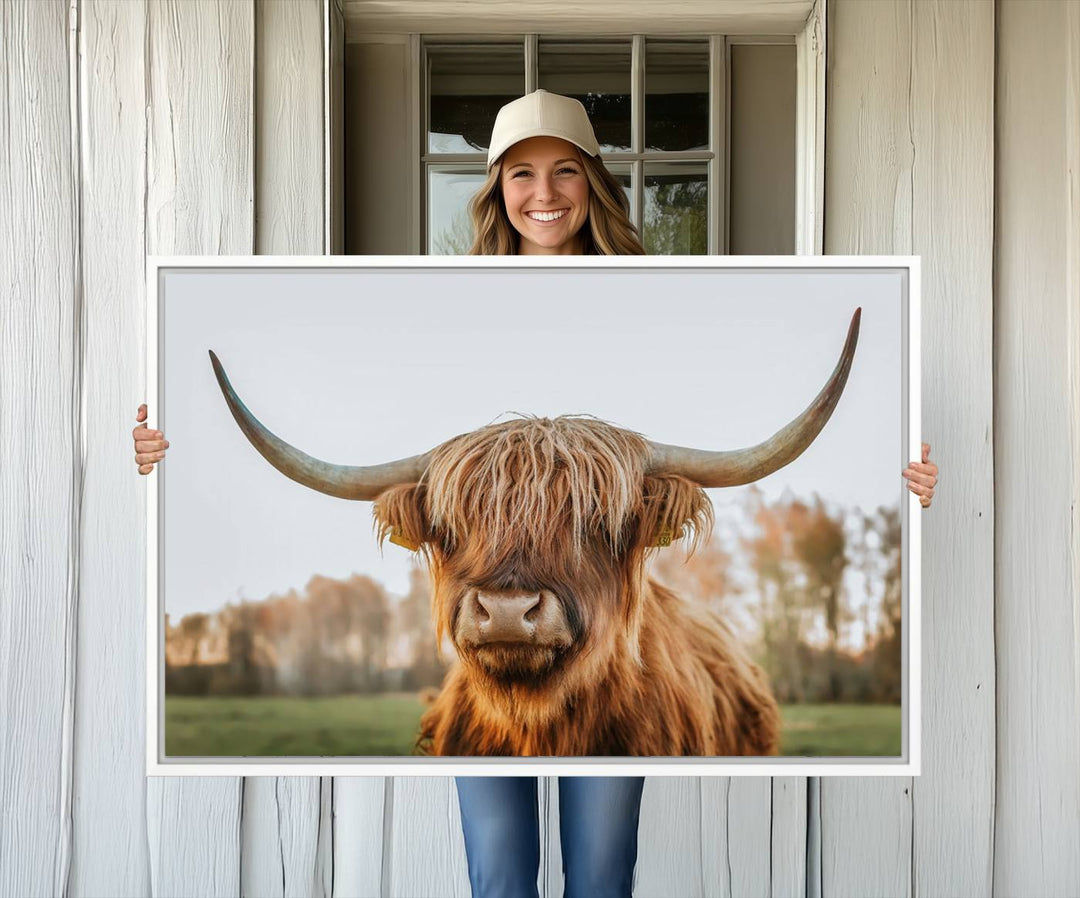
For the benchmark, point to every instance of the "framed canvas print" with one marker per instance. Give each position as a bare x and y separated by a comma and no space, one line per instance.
630,515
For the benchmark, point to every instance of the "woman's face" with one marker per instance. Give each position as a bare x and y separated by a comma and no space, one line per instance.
546,195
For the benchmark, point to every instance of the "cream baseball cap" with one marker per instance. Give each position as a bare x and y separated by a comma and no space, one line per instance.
541,114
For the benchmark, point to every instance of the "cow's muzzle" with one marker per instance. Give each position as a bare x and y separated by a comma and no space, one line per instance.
529,619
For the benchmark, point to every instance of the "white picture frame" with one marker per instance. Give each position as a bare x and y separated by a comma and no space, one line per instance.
662,302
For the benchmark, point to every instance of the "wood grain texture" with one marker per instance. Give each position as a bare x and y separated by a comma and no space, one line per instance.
736,826
866,837
199,201
788,836
280,837
910,170
108,816
40,447
425,849
363,806
289,132
193,830
670,838
952,126
1037,820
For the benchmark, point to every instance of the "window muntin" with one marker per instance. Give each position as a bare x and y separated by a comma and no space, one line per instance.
677,167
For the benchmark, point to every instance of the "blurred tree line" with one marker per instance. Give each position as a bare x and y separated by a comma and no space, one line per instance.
339,636
792,577
814,592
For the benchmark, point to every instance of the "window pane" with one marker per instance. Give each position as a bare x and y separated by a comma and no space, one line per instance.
623,175
597,74
449,191
676,95
466,87
676,209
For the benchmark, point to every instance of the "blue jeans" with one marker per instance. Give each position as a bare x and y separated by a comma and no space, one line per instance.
598,823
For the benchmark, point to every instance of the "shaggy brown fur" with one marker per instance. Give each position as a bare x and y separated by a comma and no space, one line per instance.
564,505
698,694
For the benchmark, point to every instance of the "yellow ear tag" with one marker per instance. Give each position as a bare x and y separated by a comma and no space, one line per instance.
400,539
663,538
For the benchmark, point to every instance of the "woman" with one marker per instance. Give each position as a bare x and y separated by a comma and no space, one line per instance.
547,193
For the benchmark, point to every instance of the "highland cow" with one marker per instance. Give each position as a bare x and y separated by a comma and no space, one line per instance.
536,532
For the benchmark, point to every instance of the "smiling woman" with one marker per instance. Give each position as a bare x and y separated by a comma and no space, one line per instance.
547,191
546,195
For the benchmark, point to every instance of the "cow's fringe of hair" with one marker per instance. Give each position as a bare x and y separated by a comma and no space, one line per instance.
532,481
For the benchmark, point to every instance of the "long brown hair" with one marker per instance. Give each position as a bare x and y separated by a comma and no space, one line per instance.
608,230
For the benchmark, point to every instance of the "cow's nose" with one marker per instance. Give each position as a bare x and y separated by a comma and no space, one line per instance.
503,618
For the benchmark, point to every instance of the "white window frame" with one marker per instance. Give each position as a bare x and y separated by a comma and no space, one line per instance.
808,36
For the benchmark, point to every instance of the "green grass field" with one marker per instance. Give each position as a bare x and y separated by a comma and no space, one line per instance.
386,725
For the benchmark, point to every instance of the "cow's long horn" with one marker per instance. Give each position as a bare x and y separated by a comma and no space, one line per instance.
711,469
343,481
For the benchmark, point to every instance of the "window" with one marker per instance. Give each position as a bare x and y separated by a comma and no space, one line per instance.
661,108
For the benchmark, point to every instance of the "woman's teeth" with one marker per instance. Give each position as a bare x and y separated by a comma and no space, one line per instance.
546,216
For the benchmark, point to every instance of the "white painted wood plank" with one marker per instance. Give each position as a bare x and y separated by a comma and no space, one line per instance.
199,201
281,821
556,16
324,851
788,847
810,134
280,837
953,230
200,186
425,853
865,836
1037,821
108,816
193,829
289,131
40,448
334,126
360,809
736,826
670,841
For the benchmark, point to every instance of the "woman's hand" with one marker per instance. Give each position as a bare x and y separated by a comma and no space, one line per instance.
150,445
922,477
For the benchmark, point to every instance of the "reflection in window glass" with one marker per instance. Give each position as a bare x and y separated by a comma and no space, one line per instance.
623,176
598,75
676,209
676,95
449,191
467,84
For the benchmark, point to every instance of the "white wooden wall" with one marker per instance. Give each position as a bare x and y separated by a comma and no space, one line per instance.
909,150
184,127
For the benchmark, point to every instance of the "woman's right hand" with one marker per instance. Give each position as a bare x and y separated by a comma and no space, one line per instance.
150,445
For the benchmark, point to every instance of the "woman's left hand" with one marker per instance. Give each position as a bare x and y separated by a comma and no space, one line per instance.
922,477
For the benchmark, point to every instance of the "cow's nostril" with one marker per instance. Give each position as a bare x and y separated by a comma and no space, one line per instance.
534,612
482,613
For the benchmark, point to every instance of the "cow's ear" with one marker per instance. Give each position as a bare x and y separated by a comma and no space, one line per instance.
673,508
401,516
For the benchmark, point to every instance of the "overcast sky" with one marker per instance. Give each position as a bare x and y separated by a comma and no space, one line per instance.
364,366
